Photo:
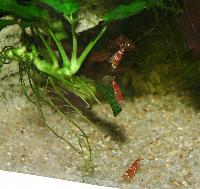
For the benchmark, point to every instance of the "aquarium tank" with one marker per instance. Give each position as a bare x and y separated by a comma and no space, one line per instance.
101,92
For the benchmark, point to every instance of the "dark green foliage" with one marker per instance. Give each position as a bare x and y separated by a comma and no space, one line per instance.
63,6
22,11
124,11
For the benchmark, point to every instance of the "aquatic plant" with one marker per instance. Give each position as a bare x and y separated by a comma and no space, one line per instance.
43,56
124,11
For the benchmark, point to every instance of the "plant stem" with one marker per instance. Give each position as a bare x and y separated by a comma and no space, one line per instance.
65,59
50,51
76,67
90,45
74,40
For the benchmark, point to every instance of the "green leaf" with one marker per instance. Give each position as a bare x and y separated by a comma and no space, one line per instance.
63,6
124,11
108,94
4,23
22,11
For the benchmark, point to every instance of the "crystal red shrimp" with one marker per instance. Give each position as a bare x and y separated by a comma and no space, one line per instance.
116,58
117,92
131,171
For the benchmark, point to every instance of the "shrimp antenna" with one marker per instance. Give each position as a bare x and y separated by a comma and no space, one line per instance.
146,33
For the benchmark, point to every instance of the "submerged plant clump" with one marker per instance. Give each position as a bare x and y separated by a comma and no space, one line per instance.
42,54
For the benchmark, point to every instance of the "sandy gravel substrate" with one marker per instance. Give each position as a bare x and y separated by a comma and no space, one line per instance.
162,130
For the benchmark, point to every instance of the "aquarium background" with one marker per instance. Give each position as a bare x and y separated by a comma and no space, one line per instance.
70,123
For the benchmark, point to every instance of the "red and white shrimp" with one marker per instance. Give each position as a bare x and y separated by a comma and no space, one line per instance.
116,58
131,171
117,92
